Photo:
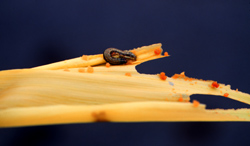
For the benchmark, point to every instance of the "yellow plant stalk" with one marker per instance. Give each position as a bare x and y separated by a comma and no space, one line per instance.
65,92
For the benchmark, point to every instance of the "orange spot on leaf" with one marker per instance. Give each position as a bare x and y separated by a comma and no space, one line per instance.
215,84
226,95
128,74
81,70
84,57
107,64
157,51
163,76
90,69
66,69
196,103
181,98
166,54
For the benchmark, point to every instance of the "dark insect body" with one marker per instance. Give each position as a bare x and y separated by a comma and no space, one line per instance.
116,57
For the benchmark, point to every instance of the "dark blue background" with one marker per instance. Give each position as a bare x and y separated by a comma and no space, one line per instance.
206,39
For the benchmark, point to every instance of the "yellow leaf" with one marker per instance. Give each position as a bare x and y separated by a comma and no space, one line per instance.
68,92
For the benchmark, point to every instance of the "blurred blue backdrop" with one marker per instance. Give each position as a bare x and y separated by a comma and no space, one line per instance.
206,39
